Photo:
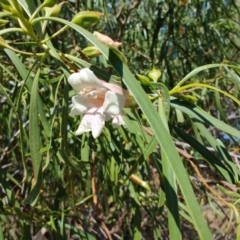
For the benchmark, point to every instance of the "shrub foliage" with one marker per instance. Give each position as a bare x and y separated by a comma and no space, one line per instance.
172,172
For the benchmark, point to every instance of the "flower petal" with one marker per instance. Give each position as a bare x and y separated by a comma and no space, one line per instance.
93,121
115,88
117,121
80,105
113,103
83,79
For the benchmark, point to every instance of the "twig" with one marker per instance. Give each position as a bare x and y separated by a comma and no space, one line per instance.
123,22
93,180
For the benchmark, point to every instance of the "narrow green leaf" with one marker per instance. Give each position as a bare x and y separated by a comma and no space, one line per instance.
228,192
79,233
5,14
44,120
218,104
228,160
20,67
35,140
1,232
235,79
136,226
199,69
170,183
171,199
9,101
210,157
151,146
26,6
219,150
199,114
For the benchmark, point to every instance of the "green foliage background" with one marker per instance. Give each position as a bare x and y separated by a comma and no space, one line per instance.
171,173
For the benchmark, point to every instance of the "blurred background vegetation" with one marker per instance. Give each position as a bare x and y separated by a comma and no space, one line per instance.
100,189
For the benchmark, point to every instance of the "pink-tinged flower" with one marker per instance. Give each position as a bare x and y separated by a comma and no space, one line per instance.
99,101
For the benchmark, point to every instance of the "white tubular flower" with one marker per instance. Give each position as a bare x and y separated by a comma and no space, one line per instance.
99,101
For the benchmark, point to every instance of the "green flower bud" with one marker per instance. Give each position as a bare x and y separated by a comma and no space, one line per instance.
145,81
49,3
54,11
87,19
91,51
154,74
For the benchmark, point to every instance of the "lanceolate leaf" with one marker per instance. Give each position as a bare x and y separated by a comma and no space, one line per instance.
210,157
35,140
202,68
196,112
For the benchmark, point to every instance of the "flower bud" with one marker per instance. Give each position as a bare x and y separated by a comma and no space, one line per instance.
145,81
54,11
49,3
154,74
87,19
106,40
91,51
